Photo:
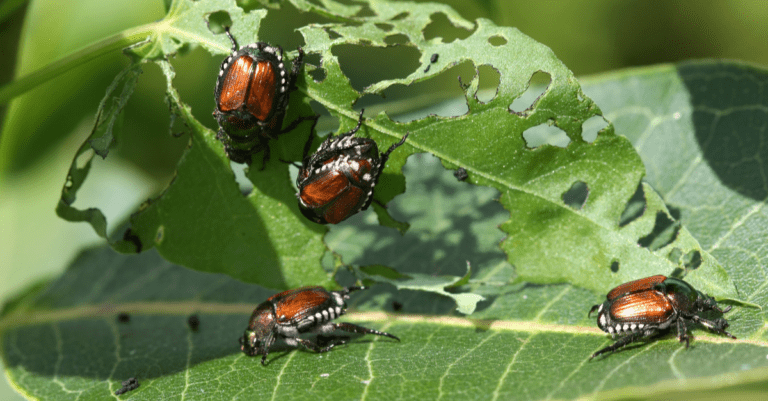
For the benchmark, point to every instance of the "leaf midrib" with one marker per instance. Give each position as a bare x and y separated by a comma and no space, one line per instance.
185,308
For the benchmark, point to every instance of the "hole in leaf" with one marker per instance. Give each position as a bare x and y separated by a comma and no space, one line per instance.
615,266
318,74
366,65
313,65
489,83
384,27
497,40
420,99
440,26
591,127
397,39
365,11
537,86
400,16
333,34
635,207
664,233
692,260
217,21
674,255
545,134
577,195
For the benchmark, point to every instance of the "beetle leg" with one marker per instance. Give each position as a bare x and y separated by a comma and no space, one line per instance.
295,70
353,328
717,325
594,308
314,347
625,341
682,332
308,144
265,347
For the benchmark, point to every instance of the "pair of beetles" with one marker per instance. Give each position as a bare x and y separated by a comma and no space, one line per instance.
252,93
337,181
637,309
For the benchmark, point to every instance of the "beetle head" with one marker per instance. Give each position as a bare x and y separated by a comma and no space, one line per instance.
260,331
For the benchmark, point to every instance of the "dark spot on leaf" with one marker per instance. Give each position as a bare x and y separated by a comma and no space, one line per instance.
434,57
194,322
547,133
635,207
591,127
615,266
396,39
366,65
460,174
440,26
577,195
537,86
426,70
131,237
497,40
123,317
128,385
384,27
397,306
664,233
218,20
489,83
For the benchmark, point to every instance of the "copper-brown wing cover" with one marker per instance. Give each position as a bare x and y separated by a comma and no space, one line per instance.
293,305
642,307
235,84
635,286
324,189
262,91
260,88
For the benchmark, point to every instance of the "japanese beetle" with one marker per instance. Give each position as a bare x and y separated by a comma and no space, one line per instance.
642,308
251,95
337,181
294,312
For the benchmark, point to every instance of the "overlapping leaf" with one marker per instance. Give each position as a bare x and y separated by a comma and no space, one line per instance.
201,221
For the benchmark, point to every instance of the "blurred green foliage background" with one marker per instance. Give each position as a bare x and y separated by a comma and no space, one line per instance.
42,129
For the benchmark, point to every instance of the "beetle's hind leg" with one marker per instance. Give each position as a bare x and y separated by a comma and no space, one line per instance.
353,328
626,340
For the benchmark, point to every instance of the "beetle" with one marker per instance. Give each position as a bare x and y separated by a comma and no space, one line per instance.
642,308
294,312
338,180
251,94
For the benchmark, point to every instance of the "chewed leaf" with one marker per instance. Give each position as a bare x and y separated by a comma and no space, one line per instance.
186,23
466,303
204,222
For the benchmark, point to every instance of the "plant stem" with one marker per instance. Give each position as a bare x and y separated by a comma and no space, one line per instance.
75,59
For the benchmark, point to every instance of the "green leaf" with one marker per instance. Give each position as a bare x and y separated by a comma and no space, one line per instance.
201,221
700,129
65,341
466,303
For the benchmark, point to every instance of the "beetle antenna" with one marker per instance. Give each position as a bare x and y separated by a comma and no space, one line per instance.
385,155
234,42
